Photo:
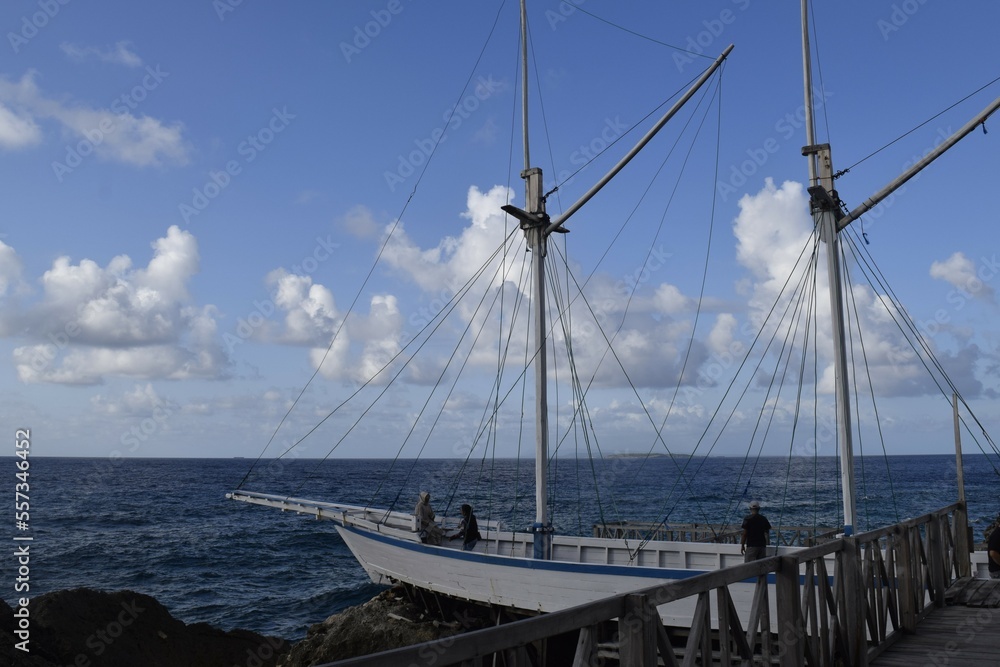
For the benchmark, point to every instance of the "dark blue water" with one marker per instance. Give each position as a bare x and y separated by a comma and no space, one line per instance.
163,526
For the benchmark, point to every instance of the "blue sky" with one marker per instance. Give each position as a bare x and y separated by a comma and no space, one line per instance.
195,192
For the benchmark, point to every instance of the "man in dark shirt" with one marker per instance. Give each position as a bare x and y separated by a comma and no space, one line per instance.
468,530
993,553
756,532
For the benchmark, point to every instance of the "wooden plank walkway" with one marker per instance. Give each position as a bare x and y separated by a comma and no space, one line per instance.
964,633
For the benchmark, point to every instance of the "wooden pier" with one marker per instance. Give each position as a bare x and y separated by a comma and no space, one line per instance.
965,633
876,599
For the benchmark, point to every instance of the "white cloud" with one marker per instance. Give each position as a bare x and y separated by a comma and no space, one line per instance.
771,230
453,261
310,311
670,300
17,130
123,137
119,54
722,336
380,333
960,272
92,322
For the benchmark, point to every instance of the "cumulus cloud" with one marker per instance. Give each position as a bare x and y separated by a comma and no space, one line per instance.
91,322
452,262
309,309
961,273
124,137
120,54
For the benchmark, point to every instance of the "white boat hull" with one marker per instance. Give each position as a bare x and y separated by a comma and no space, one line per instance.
527,584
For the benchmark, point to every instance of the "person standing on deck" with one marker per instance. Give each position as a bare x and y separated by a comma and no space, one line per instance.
756,534
468,530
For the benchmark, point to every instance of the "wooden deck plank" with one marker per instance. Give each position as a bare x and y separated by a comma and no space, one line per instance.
966,634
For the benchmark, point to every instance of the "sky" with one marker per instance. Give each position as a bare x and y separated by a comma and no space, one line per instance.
195,193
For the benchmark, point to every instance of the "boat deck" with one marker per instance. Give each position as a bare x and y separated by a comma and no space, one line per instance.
966,632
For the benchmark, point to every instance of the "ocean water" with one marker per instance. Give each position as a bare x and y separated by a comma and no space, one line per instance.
163,526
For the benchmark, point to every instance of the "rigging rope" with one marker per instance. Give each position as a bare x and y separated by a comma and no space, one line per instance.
575,6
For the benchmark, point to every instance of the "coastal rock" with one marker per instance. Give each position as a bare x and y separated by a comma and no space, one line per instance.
385,622
90,628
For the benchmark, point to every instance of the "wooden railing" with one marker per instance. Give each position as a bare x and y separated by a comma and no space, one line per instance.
881,584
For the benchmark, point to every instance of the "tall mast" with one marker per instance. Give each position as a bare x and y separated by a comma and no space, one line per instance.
534,222
537,227
829,220
825,210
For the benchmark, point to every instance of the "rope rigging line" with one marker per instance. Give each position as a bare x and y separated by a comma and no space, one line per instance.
574,6
917,127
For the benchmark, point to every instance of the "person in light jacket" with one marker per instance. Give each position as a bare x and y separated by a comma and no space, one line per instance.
430,532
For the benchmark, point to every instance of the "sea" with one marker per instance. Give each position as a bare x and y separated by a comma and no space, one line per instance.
164,527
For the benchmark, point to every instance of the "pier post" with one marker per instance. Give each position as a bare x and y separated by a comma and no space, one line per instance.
636,632
791,633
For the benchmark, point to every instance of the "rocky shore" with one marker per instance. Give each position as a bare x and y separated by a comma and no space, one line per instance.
88,628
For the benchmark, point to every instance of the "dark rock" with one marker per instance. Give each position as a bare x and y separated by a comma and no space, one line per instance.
89,628
385,622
